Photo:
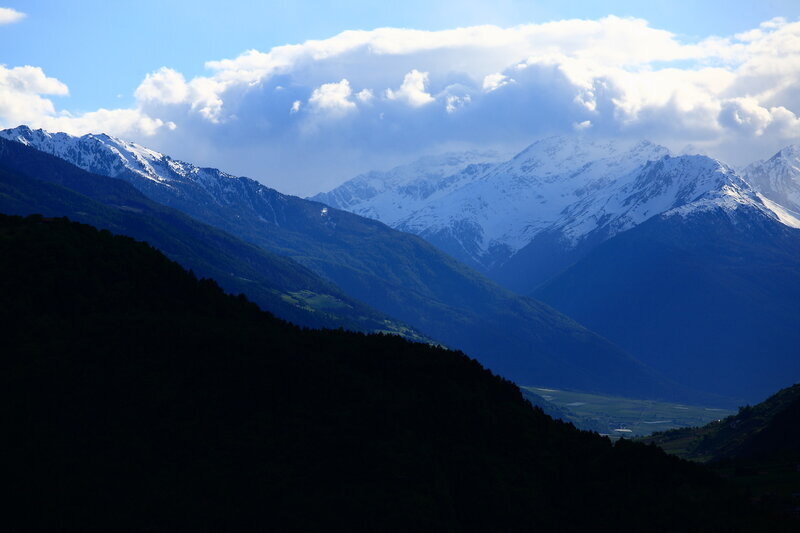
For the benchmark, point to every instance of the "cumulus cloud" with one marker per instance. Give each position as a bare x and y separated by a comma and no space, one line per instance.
304,117
165,86
24,99
21,93
10,16
117,121
745,114
333,98
494,81
412,91
453,102
365,95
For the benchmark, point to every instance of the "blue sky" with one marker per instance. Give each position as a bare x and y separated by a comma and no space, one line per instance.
355,110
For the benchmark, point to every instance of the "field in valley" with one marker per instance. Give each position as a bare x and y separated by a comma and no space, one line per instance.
625,417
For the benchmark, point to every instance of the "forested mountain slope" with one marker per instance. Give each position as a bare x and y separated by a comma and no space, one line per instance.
135,397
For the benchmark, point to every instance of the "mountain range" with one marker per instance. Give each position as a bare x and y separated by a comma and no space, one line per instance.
686,263
398,274
544,208
276,283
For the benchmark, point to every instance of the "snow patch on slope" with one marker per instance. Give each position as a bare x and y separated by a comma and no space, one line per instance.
784,216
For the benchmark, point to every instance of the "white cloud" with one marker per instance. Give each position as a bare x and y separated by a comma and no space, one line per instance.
21,90
494,81
163,86
29,79
746,115
735,97
23,101
332,98
10,16
119,122
412,91
365,95
453,102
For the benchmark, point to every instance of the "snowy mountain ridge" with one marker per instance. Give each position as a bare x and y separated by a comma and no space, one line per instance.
474,205
572,189
109,156
404,189
99,152
513,201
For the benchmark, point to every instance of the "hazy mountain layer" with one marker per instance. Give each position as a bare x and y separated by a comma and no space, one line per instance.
524,220
34,182
397,273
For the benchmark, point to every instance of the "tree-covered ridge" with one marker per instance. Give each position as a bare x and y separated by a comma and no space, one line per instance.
136,397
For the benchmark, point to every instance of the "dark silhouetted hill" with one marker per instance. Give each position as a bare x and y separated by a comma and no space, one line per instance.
137,397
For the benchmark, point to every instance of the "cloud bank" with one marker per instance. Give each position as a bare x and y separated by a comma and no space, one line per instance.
305,117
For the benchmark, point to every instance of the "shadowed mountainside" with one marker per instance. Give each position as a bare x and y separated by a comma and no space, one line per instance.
34,182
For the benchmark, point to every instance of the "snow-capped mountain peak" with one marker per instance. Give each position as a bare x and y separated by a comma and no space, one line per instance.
572,188
554,157
778,178
390,195
99,153
479,205
543,186
150,171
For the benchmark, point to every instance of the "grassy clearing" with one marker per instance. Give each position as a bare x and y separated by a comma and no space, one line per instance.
626,417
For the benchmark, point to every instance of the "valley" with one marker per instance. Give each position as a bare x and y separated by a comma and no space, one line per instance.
618,417
686,263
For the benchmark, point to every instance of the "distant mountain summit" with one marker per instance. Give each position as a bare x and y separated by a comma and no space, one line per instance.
391,195
484,213
550,204
778,178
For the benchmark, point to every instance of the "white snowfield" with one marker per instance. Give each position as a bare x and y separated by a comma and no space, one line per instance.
568,185
575,187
